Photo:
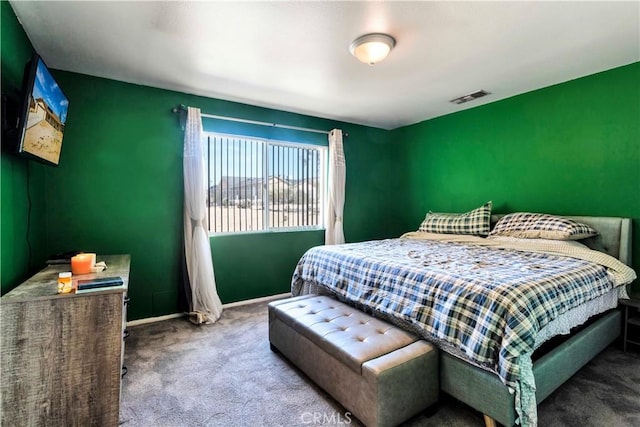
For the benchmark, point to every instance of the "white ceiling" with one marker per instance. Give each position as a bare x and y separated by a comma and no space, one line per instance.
294,55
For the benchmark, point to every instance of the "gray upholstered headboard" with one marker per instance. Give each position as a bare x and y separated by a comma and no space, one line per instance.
614,238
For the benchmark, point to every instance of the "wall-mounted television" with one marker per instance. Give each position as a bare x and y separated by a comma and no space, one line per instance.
42,114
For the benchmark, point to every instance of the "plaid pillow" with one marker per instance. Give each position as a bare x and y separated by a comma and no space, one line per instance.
476,222
541,226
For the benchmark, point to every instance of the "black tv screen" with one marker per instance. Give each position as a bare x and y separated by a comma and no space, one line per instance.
43,115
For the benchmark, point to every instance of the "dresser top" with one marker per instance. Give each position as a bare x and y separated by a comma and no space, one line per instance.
44,284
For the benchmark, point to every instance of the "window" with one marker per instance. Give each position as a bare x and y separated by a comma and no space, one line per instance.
263,185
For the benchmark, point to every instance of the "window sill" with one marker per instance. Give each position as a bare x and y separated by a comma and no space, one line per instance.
273,231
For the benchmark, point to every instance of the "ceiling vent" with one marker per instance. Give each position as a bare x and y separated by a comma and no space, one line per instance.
470,97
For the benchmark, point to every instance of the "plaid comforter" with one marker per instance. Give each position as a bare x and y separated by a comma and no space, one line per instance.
485,303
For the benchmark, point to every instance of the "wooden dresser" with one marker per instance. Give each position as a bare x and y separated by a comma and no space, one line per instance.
61,355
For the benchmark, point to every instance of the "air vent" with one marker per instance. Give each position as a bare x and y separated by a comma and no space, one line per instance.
470,97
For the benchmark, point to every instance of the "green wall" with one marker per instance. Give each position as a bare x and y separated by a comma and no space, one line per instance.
572,148
119,189
17,175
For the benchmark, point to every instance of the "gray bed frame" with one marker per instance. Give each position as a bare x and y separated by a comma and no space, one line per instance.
485,392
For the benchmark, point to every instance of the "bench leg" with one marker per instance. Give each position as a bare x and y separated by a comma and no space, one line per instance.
489,422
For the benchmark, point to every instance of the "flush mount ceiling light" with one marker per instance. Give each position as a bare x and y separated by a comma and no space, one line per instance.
372,48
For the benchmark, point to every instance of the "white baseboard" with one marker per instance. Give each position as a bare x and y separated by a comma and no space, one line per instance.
256,300
229,305
154,319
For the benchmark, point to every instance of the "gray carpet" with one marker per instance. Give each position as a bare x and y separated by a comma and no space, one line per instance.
226,375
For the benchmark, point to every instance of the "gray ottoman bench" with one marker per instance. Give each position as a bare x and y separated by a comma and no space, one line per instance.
380,373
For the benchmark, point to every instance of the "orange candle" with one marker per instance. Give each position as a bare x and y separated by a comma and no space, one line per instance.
82,263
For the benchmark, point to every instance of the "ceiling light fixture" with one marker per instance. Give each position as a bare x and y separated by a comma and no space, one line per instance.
372,48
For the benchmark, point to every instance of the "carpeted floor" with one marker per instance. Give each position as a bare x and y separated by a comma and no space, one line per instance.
226,375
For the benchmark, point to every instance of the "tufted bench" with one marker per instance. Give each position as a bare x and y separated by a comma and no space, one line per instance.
380,373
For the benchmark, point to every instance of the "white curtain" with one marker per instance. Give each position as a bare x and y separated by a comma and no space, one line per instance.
334,233
205,305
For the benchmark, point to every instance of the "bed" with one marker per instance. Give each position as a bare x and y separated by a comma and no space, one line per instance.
505,366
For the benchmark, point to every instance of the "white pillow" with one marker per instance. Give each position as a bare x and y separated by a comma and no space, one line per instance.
509,239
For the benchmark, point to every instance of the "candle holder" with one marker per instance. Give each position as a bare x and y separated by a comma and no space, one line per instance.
82,263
